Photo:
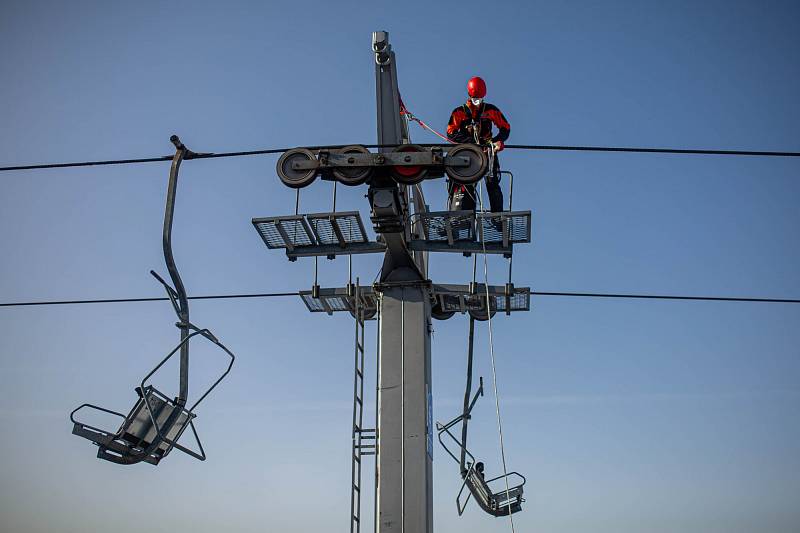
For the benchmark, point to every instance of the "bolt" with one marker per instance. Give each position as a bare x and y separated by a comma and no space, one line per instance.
407,159
351,160
380,159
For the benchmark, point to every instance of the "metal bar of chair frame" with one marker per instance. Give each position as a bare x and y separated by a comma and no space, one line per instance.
183,304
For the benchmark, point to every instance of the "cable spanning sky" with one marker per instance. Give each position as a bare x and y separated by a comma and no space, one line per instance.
625,415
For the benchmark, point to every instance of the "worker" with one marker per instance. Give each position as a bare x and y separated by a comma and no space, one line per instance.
472,123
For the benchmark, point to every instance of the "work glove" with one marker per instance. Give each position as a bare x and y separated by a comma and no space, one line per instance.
498,146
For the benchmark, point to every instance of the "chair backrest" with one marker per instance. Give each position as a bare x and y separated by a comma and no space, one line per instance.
172,420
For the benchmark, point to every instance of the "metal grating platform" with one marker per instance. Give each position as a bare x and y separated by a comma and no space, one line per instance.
337,228
508,227
457,298
449,227
470,232
338,299
451,298
317,234
284,232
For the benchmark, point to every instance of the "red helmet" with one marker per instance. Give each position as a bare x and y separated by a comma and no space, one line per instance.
476,87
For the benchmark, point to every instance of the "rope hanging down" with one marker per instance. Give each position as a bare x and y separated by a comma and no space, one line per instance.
491,341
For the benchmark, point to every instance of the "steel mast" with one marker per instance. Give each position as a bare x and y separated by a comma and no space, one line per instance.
405,432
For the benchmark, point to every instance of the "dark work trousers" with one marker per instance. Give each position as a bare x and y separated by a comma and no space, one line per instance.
464,197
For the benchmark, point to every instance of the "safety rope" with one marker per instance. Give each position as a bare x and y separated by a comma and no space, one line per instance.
408,114
491,344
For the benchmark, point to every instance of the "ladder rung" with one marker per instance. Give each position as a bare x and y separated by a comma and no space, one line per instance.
368,437
357,488
356,518
365,446
368,453
360,373
359,400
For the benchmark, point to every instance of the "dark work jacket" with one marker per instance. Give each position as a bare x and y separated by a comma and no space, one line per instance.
486,115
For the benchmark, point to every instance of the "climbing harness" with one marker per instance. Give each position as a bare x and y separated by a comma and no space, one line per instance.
155,423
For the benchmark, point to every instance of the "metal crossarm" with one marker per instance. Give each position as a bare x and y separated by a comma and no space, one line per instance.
450,298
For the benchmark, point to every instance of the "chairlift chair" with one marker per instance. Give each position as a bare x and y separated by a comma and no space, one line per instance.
506,499
152,428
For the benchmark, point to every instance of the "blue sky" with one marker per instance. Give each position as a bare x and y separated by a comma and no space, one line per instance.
625,416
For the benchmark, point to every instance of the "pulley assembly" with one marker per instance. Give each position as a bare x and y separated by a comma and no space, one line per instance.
407,164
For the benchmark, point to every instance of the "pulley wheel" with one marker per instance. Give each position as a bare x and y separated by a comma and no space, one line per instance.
409,175
368,315
296,178
352,175
439,314
471,173
480,315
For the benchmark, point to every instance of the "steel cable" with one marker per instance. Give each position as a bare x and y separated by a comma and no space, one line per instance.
539,147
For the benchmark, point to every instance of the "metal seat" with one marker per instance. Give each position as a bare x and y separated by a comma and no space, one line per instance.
148,433
500,503
155,423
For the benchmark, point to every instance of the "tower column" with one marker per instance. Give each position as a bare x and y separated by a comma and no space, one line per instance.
405,432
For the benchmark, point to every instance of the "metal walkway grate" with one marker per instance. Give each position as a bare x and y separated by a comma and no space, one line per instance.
457,298
332,300
284,232
469,232
337,228
317,234
448,226
512,227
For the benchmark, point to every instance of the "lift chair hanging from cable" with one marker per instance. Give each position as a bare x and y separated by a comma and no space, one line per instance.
502,502
154,425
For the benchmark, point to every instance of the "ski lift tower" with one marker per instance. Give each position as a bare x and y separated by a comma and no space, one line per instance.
404,300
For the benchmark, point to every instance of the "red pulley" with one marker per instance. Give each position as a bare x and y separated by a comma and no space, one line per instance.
409,174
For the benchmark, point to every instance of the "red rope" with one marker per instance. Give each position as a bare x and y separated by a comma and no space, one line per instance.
404,111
